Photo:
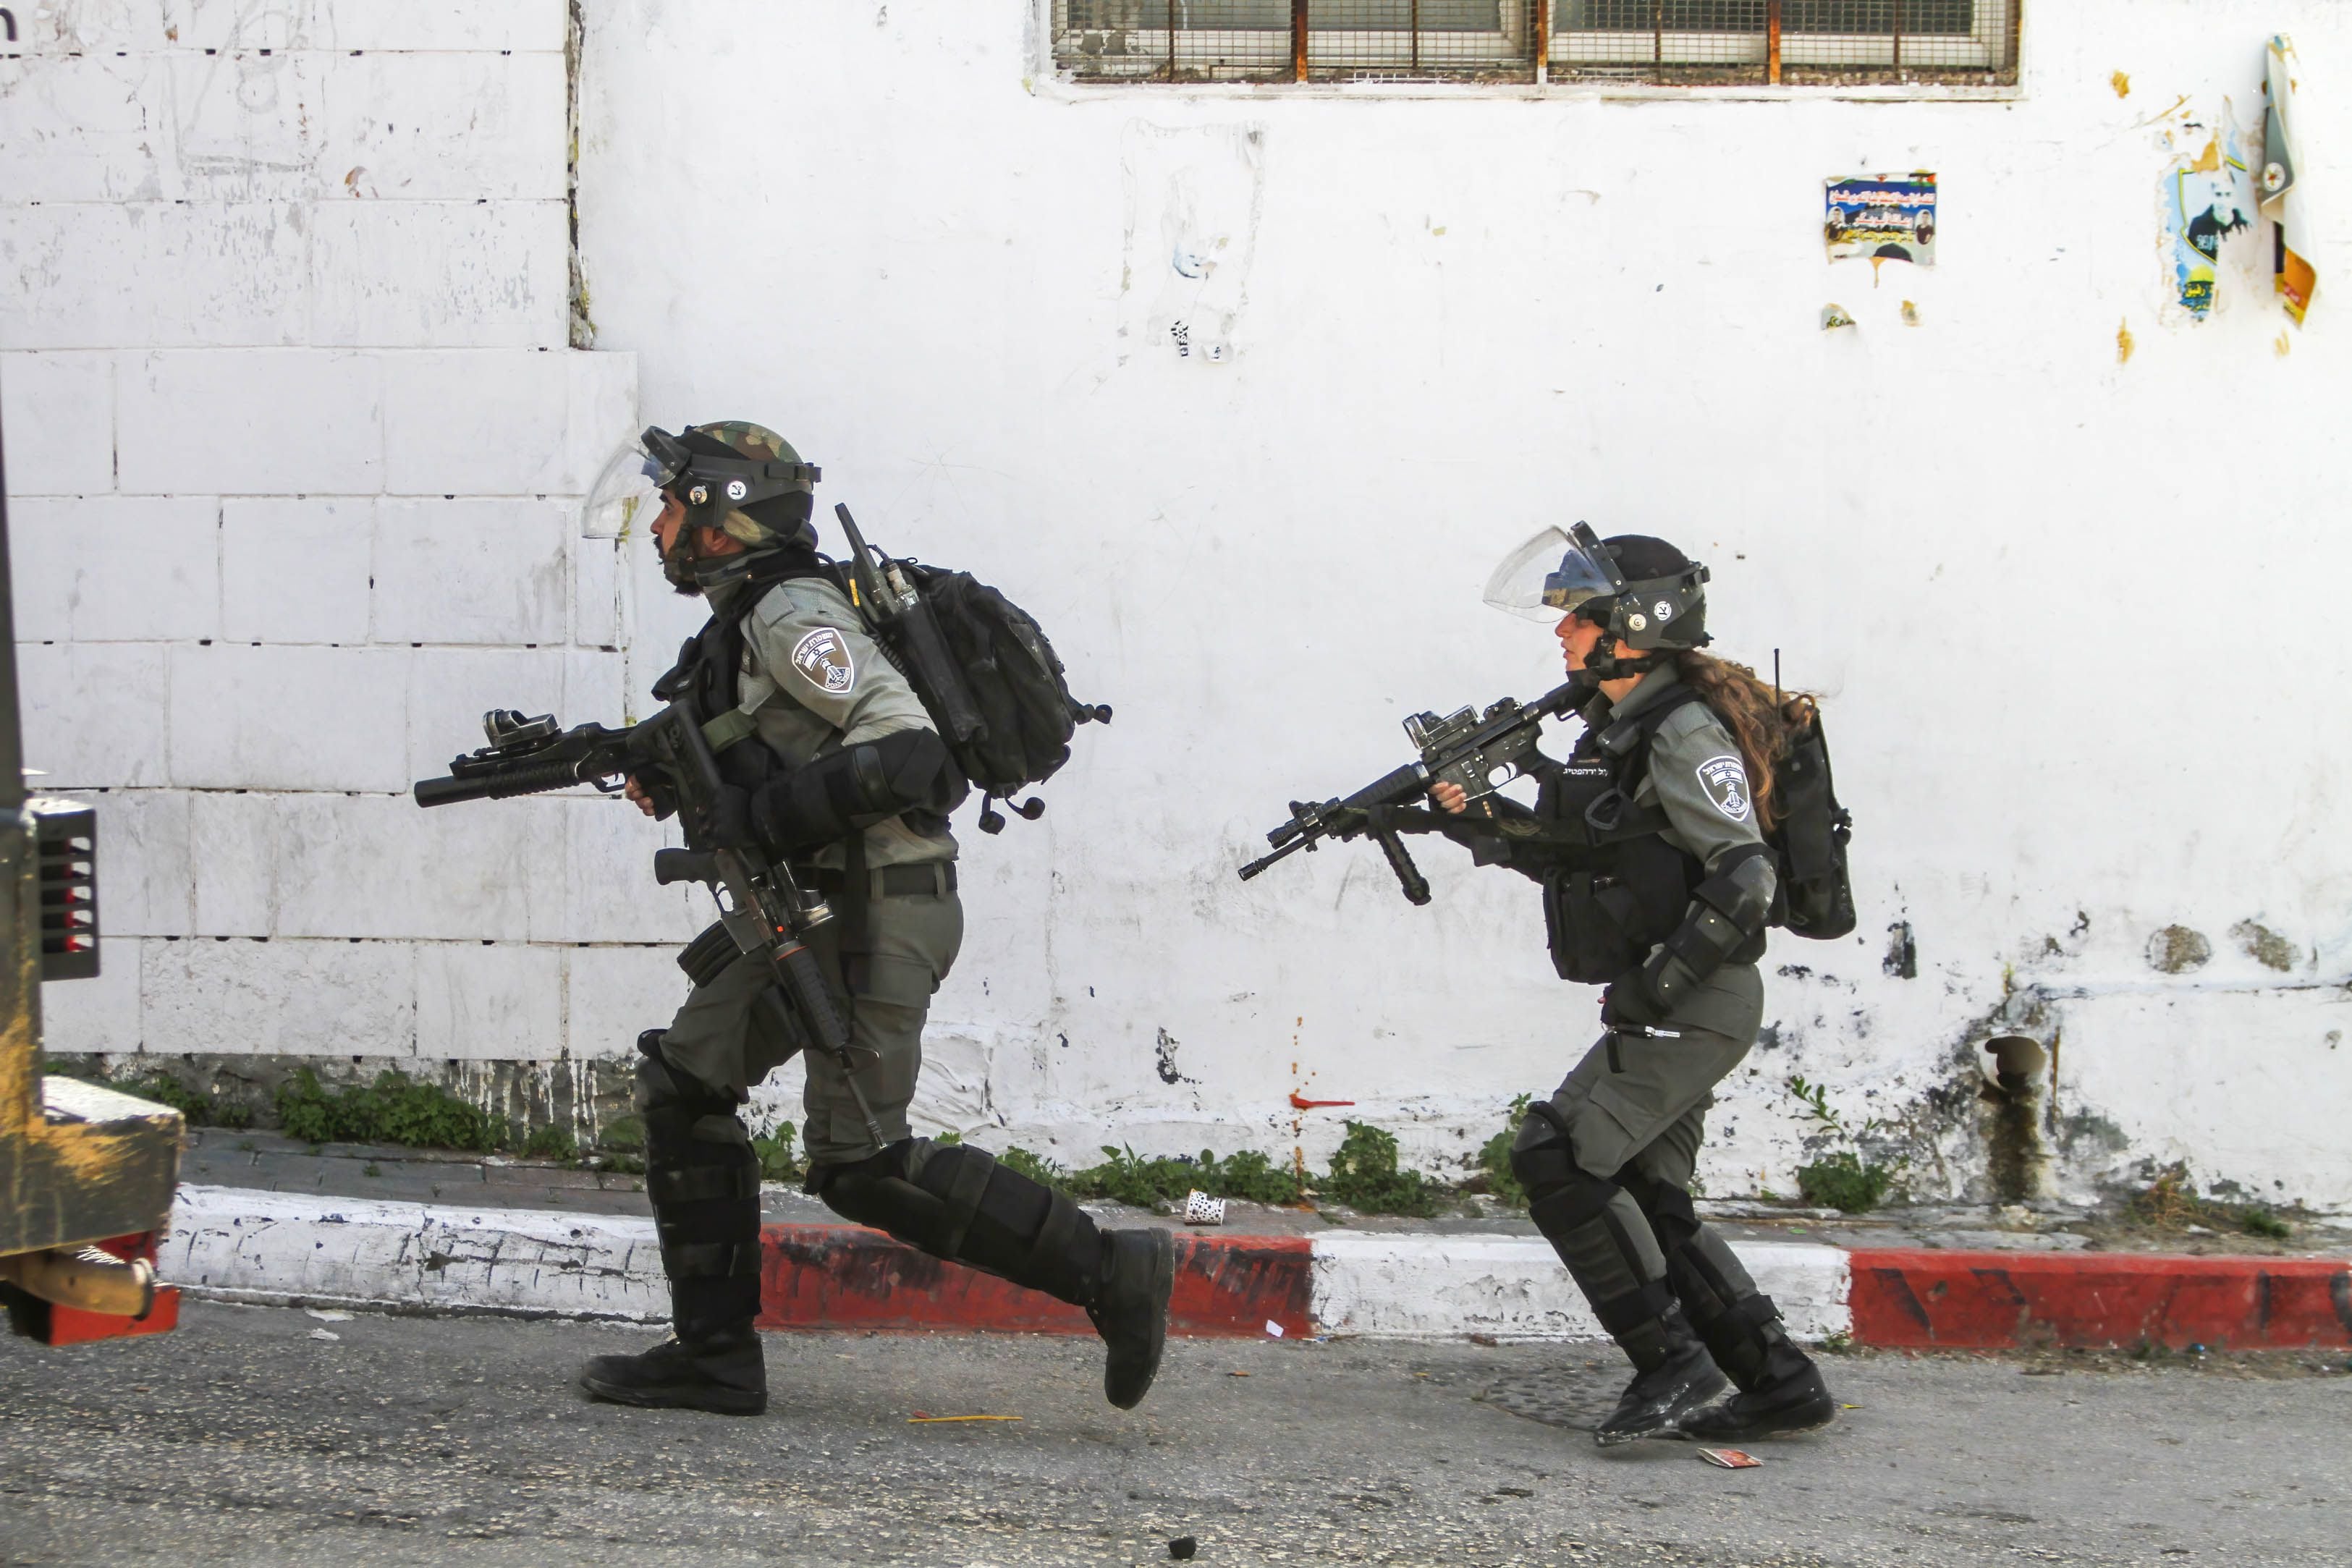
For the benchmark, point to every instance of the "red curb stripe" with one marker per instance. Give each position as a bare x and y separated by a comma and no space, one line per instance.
839,1276
1993,1301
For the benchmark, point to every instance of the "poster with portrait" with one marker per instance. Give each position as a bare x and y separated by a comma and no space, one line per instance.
1886,217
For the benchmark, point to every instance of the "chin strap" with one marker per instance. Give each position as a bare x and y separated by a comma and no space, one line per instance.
1613,668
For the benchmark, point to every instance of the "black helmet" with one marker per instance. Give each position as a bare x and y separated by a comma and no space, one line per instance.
1640,590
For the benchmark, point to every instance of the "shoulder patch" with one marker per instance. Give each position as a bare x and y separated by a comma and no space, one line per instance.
1725,780
823,659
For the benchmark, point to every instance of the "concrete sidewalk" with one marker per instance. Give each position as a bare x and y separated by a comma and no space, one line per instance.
262,1217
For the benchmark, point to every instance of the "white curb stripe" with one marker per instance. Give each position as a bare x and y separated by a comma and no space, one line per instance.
1385,1285
277,1246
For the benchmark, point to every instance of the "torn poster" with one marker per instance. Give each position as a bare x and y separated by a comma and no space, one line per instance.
1194,198
1888,217
2291,269
2208,196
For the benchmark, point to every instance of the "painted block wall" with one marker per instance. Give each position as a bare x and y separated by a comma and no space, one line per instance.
296,438
2073,614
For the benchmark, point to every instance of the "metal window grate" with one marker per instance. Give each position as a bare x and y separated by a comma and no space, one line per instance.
1670,42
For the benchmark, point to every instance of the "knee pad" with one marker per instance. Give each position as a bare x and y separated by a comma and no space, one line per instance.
924,1194
955,1202
1561,1194
876,1192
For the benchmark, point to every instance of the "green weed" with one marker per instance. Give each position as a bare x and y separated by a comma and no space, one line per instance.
1844,1181
551,1143
1036,1167
395,1109
1125,1177
1364,1176
1494,1155
775,1151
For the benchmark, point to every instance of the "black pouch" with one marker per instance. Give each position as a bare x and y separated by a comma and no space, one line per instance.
1586,917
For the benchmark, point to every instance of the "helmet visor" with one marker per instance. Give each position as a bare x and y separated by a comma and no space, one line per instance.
1551,574
626,496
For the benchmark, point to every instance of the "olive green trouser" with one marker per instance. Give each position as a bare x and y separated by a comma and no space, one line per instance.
1642,1100
1632,1114
723,1038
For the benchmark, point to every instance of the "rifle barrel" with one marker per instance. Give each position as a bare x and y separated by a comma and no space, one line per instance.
1285,852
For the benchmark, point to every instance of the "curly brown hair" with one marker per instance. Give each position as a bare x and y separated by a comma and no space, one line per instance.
1762,726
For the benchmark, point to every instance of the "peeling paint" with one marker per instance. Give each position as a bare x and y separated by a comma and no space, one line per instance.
2178,950
2265,946
1163,1057
1902,960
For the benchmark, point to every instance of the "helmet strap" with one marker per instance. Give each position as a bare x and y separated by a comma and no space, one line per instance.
1616,667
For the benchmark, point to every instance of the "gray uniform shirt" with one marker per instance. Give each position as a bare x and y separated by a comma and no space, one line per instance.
1697,777
813,682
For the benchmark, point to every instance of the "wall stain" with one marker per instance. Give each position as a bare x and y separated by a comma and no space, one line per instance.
2265,946
2177,950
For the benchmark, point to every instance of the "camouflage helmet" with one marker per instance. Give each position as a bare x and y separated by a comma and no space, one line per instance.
737,477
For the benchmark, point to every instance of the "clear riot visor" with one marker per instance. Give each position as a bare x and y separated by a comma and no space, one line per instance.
1551,574
626,496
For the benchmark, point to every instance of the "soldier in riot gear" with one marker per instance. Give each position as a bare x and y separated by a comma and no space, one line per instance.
834,766
1648,843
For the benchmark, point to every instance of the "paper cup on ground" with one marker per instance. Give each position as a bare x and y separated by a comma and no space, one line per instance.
1200,1208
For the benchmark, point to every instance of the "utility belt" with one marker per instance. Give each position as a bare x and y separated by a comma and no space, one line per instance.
927,879
710,954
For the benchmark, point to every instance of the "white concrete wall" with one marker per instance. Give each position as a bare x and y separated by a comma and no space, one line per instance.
2073,617
295,322
295,442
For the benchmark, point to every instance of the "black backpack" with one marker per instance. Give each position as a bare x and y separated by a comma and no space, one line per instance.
1810,839
981,664
1808,844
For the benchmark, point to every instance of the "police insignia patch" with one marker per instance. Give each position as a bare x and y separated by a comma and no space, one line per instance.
1725,780
823,659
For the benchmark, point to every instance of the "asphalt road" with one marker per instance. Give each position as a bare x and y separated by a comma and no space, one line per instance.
245,1437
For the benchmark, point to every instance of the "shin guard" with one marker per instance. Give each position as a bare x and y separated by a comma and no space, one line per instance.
703,1181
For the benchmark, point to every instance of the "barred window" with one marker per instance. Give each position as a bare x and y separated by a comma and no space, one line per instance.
1698,43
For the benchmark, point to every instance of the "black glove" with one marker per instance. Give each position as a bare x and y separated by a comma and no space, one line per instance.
730,820
1629,1002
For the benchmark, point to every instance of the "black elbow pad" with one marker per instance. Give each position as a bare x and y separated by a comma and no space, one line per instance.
1727,913
854,787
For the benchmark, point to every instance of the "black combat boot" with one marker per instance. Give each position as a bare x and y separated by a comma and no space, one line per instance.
1130,1310
722,1372
1788,1397
1672,1376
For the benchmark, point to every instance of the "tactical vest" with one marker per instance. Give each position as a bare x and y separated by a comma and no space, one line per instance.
1619,888
707,682
707,679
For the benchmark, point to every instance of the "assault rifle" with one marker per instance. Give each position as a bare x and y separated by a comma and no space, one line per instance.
1478,752
770,916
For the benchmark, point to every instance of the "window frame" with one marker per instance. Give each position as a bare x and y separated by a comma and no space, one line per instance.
1817,51
1582,61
